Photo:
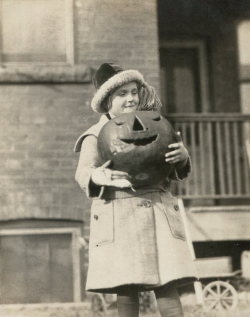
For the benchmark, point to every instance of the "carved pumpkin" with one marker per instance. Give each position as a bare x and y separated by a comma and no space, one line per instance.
136,143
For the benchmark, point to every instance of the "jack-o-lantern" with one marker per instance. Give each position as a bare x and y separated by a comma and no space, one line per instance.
136,143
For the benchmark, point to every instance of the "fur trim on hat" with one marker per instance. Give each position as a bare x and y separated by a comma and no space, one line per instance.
115,81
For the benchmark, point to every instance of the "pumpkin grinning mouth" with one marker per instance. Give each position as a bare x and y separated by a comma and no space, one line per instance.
143,141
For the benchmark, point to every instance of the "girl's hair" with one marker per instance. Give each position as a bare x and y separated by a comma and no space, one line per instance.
148,99
106,104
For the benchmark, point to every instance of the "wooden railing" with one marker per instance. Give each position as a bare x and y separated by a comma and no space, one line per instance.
217,143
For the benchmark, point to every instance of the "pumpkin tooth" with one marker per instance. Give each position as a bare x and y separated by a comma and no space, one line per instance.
142,141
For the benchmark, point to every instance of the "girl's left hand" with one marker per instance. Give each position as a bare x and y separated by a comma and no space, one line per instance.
179,152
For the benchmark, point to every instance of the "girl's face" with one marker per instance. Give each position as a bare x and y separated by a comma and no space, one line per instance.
124,99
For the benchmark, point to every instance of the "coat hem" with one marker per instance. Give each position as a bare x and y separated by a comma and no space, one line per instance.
143,287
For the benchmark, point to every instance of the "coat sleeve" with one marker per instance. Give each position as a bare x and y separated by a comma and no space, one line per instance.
180,173
88,161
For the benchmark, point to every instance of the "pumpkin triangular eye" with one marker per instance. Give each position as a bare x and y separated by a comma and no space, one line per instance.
138,125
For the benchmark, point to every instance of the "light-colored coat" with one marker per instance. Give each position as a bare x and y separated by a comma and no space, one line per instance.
135,238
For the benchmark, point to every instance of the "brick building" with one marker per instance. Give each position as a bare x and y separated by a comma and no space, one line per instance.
196,55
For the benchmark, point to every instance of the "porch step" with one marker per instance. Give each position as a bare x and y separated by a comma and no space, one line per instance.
218,223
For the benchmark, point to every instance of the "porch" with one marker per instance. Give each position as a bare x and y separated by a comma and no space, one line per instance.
219,145
217,194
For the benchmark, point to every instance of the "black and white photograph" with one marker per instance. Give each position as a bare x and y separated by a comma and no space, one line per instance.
125,154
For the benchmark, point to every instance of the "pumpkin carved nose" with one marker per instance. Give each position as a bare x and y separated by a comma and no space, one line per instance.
138,125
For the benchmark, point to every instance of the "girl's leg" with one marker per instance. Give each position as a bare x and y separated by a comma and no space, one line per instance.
128,302
168,301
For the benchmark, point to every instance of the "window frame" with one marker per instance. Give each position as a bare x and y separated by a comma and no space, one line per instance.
75,244
203,66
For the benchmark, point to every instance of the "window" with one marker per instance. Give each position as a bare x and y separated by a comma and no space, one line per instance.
36,31
40,265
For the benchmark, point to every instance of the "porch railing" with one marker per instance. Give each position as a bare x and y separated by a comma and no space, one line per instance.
218,144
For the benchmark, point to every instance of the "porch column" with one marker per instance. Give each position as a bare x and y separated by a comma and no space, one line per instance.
244,75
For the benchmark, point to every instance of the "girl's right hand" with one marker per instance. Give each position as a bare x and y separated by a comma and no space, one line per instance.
104,176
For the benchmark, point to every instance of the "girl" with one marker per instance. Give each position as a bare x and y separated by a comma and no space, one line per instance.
137,239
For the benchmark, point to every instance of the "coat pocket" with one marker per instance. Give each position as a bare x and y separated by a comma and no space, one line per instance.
173,214
102,223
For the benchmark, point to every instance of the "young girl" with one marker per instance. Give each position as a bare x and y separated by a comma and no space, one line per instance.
137,239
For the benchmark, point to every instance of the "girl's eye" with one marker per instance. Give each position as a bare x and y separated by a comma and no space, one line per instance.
157,118
134,92
122,93
119,122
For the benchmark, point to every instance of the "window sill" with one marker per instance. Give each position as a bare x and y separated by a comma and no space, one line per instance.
17,73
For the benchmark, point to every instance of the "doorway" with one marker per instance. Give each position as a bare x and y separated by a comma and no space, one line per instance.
184,79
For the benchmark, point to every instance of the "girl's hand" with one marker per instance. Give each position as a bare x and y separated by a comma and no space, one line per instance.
179,152
104,176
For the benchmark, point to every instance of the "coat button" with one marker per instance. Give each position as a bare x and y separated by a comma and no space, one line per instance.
95,217
176,207
147,203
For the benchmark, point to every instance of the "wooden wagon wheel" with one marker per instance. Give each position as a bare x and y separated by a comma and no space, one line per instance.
219,295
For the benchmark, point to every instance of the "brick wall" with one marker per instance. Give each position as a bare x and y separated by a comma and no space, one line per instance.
42,115
39,126
121,31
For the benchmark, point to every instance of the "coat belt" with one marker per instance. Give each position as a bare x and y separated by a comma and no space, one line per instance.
114,193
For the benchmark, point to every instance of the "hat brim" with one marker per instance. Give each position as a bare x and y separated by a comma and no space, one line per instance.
115,81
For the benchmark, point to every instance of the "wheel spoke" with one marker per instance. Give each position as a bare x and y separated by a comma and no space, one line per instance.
219,295
225,295
211,291
213,305
210,299
225,291
220,306
218,288
226,305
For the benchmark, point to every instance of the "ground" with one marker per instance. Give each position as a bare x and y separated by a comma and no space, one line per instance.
191,309
194,311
